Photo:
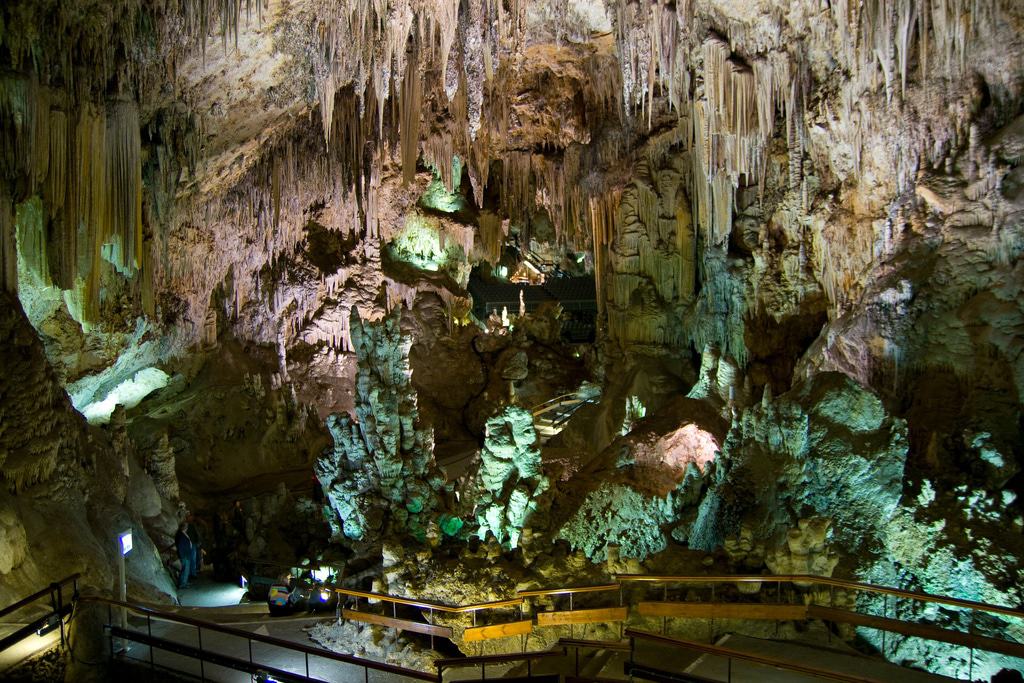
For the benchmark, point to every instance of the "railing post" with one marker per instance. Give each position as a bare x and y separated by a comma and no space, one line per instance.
149,631
307,664
664,598
632,656
202,664
885,614
970,665
110,628
728,676
58,605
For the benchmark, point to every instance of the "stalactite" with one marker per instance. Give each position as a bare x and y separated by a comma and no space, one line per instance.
55,186
603,213
275,189
493,231
8,242
122,218
439,152
906,20
410,106
686,245
90,208
446,19
478,166
516,198
30,220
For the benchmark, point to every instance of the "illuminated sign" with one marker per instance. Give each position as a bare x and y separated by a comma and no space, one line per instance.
125,537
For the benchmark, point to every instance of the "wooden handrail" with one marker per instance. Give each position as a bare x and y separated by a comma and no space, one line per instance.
437,607
725,578
574,394
260,638
597,644
621,579
24,602
665,579
495,659
825,581
763,660
559,401
565,591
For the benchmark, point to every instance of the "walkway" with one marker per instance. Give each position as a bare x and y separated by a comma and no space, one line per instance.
550,417
233,642
836,657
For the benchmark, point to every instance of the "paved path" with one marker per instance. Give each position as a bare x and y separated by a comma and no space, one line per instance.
838,657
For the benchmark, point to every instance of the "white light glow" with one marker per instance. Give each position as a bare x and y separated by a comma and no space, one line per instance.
126,542
128,393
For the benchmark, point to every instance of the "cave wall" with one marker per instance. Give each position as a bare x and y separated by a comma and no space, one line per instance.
69,489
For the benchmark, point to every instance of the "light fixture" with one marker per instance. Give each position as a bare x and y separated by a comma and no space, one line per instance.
325,595
52,622
125,539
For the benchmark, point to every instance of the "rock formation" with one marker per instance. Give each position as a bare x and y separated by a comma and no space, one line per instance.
380,477
512,482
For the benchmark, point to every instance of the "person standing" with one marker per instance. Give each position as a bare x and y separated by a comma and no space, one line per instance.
197,544
183,544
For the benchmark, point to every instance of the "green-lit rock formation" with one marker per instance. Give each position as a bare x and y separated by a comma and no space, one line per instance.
380,476
511,481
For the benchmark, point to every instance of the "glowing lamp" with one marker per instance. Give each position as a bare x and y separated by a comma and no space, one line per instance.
52,622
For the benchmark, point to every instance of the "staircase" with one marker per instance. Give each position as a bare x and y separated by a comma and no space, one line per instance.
550,417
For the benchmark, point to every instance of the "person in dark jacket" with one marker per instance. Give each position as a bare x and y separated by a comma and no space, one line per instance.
183,544
197,545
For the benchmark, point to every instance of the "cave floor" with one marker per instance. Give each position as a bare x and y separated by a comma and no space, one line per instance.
284,628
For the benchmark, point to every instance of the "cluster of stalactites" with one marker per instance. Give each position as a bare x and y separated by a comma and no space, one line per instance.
365,46
885,33
86,166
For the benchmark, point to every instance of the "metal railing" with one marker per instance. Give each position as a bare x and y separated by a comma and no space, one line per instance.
58,610
653,673
251,663
483,660
802,601
830,582
798,603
